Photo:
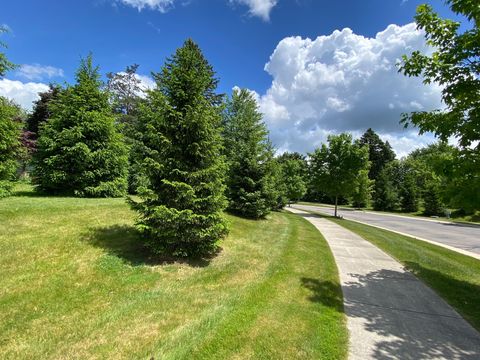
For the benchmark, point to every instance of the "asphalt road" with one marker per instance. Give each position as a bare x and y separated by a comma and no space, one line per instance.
461,236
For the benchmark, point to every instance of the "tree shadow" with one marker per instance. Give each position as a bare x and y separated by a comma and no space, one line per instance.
410,322
412,328
309,214
126,243
460,294
324,292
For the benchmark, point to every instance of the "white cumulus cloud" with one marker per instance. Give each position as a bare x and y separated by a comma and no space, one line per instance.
260,8
38,72
146,82
22,93
344,82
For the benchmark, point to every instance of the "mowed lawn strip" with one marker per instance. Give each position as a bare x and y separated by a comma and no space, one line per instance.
76,283
454,276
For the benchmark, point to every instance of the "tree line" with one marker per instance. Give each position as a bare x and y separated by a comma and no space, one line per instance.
188,153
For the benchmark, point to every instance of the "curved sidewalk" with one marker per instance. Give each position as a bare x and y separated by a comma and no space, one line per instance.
390,313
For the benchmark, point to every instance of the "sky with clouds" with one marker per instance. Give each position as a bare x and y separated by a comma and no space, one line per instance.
316,67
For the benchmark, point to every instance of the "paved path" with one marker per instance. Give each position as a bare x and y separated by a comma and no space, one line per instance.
464,237
390,313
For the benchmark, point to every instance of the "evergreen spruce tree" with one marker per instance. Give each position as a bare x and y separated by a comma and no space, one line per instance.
9,131
408,193
379,153
432,200
385,195
41,112
180,123
9,144
250,181
79,151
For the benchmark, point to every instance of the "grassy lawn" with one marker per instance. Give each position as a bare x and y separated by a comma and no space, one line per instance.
76,283
453,276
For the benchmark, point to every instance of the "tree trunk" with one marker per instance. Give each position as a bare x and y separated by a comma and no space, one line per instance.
336,202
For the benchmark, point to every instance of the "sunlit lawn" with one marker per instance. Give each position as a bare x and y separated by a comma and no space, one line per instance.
75,283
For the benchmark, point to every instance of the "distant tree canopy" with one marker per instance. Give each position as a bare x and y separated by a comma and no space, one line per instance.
79,151
362,193
180,124
379,153
41,112
249,154
293,172
125,89
336,166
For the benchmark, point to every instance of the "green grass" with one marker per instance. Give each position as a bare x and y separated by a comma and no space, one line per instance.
75,283
454,276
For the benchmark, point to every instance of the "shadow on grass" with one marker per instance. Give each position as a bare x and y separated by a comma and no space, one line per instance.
324,292
462,295
126,243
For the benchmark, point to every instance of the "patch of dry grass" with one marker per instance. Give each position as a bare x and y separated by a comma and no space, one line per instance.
75,283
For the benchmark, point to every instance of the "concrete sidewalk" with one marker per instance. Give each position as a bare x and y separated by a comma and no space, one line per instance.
391,314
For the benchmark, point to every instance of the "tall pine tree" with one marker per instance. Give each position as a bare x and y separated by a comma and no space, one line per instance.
181,211
250,181
79,151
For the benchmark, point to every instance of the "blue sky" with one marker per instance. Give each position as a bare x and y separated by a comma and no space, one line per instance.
238,37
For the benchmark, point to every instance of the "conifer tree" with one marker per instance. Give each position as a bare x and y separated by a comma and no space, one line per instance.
9,131
41,112
79,151
9,144
181,211
379,153
385,195
250,181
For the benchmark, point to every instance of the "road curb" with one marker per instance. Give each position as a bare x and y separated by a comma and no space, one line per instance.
457,250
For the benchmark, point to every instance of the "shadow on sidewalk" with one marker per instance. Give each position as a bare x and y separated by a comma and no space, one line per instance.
415,329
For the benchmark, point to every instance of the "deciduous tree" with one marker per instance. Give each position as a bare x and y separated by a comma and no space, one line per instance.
454,64
336,166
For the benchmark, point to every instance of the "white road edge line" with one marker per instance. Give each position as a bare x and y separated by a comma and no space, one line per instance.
393,215
460,251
